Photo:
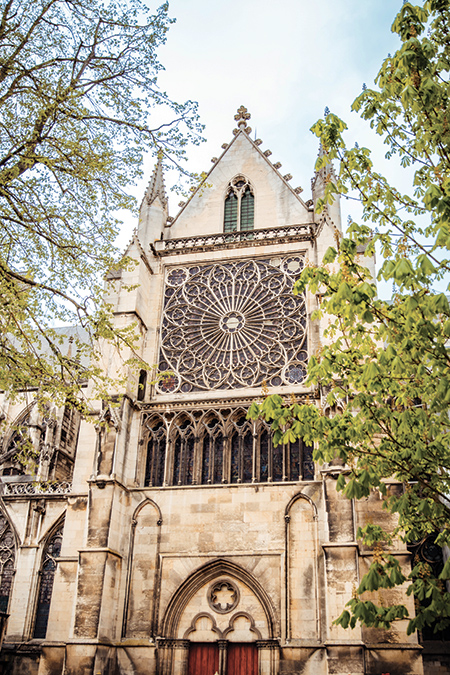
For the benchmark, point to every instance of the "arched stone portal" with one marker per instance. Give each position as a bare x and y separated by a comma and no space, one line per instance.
220,620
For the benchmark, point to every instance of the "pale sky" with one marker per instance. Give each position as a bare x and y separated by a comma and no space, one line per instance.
285,60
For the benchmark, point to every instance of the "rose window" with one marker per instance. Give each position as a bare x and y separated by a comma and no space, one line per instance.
233,325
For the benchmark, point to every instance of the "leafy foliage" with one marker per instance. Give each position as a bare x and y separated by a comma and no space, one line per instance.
386,365
78,89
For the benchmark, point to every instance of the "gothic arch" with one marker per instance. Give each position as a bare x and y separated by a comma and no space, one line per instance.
9,542
140,506
51,547
142,571
182,442
193,627
300,495
301,569
12,440
237,177
207,573
154,441
251,625
211,444
19,419
240,433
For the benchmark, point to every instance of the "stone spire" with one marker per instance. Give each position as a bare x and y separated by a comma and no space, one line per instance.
154,208
156,187
320,179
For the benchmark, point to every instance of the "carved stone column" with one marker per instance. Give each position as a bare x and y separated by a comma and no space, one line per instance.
268,657
222,656
180,657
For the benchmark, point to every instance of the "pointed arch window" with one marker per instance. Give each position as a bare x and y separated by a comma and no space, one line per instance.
51,553
156,453
241,451
239,211
7,562
212,452
216,447
183,454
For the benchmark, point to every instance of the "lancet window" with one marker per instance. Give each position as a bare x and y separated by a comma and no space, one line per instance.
239,210
156,452
214,448
7,562
183,453
212,444
13,460
52,551
241,450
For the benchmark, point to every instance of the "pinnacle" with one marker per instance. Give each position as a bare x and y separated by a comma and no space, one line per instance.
156,187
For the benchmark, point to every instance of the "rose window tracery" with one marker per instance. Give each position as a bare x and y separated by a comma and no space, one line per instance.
233,325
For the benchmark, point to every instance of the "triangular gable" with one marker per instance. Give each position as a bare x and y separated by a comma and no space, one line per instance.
276,202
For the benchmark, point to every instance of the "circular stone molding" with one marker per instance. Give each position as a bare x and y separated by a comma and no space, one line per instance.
233,324
223,596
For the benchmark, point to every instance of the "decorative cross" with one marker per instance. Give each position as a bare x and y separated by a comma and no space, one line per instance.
241,118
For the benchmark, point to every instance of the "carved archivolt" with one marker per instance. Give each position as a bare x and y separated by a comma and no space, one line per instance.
233,325
211,573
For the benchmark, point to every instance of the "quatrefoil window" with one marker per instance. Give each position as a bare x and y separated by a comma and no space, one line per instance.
223,596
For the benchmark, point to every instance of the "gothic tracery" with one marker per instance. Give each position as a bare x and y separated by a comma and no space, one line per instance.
233,325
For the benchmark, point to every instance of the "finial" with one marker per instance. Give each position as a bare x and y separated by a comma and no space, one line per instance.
241,118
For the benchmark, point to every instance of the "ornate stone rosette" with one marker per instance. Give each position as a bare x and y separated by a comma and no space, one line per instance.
233,325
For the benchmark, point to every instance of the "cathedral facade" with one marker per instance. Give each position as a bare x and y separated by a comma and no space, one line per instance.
168,535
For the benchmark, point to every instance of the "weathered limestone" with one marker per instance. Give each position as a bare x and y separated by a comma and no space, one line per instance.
158,557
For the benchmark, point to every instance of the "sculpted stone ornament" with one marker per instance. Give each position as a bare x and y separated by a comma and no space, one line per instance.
233,325
223,596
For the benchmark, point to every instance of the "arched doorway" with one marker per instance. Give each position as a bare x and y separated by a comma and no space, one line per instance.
220,621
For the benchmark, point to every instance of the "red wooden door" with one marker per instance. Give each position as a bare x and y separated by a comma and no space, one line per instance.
242,659
203,658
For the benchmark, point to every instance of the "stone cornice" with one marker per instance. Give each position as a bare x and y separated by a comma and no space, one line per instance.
222,240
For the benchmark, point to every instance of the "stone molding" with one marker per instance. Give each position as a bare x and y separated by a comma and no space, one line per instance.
225,240
37,488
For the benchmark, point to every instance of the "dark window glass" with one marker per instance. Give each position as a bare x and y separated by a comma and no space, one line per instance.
218,459
247,211
149,464
277,463
294,460
308,463
142,385
235,457
206,459
189,460
247,452
230,214
160,462
7,558
177,461
156,455
51,552
264,456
